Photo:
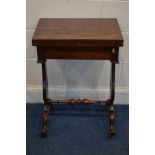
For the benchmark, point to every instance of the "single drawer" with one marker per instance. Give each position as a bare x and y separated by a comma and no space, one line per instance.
77,53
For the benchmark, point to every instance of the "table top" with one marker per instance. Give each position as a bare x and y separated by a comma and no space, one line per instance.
78,32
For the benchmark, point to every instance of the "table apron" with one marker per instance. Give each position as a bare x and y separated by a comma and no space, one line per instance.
77,54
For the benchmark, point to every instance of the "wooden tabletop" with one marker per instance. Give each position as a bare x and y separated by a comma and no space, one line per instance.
78,32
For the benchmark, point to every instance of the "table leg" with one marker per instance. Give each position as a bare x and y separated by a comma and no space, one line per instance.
111,114
45,98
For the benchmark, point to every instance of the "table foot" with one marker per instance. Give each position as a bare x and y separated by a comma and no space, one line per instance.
112,132
44,132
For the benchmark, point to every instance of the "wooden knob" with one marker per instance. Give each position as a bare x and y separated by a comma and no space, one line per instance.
113,50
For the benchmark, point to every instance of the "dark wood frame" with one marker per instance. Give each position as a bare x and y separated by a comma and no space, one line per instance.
78,50
47,102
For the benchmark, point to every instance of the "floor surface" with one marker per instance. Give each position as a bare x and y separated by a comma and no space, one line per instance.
77,130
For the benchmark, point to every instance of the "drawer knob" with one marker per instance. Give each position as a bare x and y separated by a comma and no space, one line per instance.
113,50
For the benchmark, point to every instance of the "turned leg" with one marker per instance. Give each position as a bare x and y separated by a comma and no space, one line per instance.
45,98
111,114
45,121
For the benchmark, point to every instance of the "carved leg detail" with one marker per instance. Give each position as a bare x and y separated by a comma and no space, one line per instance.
111,113
46,100
111,121
45,121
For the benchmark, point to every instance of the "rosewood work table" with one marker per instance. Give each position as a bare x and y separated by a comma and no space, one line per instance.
78,39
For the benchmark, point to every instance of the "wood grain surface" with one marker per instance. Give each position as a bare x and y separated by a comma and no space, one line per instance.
85,32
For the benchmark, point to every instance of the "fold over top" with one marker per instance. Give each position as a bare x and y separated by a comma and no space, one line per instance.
95,32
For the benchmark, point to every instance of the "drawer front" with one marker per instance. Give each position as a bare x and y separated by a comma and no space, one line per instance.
106,53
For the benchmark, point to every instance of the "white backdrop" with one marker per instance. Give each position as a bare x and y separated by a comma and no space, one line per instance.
77,78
